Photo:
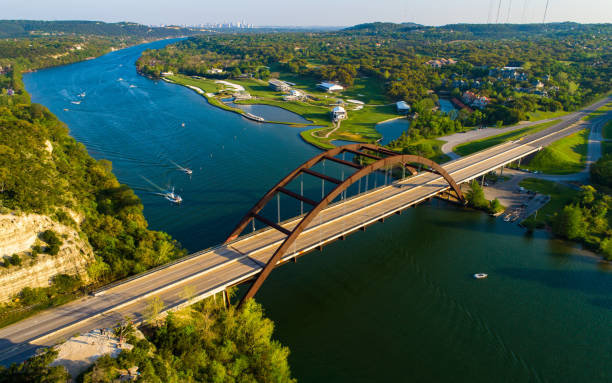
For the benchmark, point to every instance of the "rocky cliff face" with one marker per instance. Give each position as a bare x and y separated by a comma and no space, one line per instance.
18,233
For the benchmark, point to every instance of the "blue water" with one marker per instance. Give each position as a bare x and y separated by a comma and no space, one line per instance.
446,106
271,113
391,130
393,304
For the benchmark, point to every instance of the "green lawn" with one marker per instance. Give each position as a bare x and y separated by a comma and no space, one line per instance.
560,196
565,156
208,86
369,90
541,115
599,112
475,146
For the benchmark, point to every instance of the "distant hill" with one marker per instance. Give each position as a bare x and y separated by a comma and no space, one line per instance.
380,27
484,31
32,28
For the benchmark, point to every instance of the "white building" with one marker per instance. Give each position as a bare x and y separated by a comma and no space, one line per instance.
279,86
338,113
330,87
402,107
214,71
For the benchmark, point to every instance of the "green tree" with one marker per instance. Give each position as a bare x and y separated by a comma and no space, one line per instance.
35,370
570,223
475,196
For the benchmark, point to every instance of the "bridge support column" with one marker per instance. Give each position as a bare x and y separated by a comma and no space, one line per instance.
226,299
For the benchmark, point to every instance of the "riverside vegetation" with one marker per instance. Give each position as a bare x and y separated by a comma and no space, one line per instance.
44,170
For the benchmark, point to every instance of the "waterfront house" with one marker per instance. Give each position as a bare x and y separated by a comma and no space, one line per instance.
10,92
279,86
402,107
475,100
330,87
166,74
214,71
338,113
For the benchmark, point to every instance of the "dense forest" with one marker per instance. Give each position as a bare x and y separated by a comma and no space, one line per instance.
551,68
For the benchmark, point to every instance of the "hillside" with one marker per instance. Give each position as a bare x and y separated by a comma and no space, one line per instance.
34,28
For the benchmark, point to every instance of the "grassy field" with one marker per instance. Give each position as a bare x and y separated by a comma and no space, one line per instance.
565,156
606,132
541,115
560,196
599,112
206,85
475,146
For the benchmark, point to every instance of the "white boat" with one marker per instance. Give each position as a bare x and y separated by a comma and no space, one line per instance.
480,275
183,124
76,102
188,171
173,197
82,95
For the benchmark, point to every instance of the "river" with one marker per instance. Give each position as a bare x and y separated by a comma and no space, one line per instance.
395,303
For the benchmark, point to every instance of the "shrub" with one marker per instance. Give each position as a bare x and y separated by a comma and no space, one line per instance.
15,260
52,240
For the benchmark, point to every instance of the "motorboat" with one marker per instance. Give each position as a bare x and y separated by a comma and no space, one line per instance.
173,197
480,275
188,171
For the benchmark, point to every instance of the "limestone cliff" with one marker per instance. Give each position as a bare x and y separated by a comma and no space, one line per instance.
19,233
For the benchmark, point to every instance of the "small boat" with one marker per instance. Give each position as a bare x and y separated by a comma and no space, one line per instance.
183,124
76,102
132,86
173,197
188,171
82,95
480,275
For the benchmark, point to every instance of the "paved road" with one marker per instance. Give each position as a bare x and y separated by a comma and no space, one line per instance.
211,271
459,138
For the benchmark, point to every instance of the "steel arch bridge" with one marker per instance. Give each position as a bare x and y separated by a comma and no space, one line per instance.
376,158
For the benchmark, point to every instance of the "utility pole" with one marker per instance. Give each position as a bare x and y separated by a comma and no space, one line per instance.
545,11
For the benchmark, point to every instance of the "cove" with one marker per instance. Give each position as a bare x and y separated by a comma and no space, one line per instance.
394,303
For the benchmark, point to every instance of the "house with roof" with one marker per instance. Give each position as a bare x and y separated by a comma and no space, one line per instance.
279,86
475,100
330,87
402,107
338,113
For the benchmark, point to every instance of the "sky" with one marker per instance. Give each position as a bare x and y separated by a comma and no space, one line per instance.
310,12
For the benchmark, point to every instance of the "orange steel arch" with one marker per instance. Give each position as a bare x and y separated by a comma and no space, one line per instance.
371,151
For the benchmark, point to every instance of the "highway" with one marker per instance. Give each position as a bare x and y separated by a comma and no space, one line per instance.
211,271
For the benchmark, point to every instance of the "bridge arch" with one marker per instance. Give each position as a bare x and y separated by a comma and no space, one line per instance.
382,159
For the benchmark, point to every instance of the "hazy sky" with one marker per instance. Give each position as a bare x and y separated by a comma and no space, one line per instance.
308,12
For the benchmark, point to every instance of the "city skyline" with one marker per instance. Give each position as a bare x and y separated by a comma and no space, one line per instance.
317,12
